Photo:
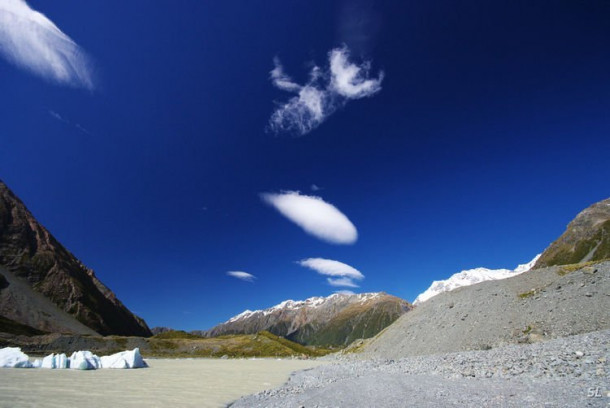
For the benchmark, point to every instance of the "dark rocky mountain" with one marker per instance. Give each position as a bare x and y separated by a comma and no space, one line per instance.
336,320
587,238
44,286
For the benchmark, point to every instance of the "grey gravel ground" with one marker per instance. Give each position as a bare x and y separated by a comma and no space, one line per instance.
538,305
566,372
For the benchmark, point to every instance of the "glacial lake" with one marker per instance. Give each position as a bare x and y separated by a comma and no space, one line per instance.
166,383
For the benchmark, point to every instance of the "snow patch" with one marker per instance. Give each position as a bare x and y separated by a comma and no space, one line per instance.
471,277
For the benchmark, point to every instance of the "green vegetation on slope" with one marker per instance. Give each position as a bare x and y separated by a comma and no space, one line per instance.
262,344
564,253
352,323
176,334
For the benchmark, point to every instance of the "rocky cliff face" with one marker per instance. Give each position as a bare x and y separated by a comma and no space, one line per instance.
335,320
39,268
587,238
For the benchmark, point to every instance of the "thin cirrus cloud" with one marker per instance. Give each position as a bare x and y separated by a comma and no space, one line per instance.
326,91
245,276
314,215
31,41
338,273
344,292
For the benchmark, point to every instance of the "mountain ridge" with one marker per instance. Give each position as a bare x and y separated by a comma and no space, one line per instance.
334,320
586,238
32,257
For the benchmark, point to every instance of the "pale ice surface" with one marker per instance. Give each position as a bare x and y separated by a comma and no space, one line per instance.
13,357
54,361
124,359
167,383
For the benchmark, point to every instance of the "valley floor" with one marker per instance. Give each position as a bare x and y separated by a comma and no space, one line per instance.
566,372
167,383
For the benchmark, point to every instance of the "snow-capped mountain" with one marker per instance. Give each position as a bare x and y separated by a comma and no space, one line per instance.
311,303
334,320
470,277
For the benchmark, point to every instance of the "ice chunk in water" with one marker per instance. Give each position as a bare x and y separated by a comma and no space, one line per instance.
54,361
84,360
12,357
124,359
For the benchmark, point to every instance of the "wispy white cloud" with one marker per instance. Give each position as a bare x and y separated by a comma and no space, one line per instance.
315,187
31,41
314,215
344,292
60,118
339,273
346,282
325,92
350,80
280,79
245,276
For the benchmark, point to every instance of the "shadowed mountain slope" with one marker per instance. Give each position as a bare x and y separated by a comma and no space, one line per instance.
44,286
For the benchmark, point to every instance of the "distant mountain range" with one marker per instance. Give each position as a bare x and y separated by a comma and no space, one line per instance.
335,320
471,277
44,287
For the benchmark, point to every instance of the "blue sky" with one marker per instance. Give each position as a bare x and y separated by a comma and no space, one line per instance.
482,133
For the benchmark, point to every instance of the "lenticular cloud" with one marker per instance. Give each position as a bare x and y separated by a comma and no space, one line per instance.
324,93
315,216
31,41
339,274
245,276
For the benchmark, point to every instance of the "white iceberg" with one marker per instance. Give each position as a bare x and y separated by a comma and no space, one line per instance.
12,357
53,361
124,359
84,360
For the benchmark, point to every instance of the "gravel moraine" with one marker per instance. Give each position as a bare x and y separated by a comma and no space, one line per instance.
572,371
